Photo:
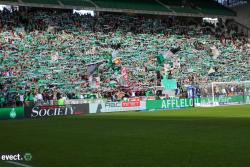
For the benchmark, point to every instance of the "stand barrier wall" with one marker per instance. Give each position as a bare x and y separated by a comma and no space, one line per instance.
104,106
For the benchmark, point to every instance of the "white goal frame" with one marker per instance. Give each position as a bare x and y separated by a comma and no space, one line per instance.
224,83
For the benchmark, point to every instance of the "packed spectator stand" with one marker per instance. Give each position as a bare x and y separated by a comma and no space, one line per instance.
46,55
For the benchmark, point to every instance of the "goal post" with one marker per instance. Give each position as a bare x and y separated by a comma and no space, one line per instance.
225,93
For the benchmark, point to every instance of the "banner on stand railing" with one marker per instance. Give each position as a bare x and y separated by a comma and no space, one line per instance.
117,106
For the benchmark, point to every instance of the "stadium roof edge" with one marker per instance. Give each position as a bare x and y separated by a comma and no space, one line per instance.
62,6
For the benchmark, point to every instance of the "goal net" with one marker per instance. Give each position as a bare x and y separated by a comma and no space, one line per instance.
225,93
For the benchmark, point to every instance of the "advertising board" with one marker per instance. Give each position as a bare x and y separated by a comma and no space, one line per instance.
50,111
11,113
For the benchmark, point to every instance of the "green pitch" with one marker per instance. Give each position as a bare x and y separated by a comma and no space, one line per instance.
195,137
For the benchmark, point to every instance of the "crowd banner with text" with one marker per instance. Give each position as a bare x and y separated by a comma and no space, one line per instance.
117,106
11,113
51,111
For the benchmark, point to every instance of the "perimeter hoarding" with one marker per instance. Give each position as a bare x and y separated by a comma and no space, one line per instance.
188,102
170,103
11,113
225,100
51,111
117,106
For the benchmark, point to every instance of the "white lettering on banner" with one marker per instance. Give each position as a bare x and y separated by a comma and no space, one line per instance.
168,103
177,104
131,104
190,102
59,111
44,113
173,102
182,102
113,104
224,99
34,113
51,111
163,104
134,99
186,103
71,110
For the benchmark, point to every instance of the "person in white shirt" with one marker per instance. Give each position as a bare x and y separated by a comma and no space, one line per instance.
21,98
39,99
65,97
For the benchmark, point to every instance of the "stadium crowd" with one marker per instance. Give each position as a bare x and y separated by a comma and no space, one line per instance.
47,55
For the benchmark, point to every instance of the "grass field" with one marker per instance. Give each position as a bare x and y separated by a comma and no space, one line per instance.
196,137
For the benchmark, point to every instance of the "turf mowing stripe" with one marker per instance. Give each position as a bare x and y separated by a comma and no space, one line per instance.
18,164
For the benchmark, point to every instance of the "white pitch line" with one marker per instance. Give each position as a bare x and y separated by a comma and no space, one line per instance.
18,164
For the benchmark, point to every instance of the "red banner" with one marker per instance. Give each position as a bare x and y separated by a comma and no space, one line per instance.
134,99
131,104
